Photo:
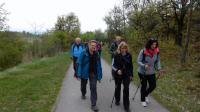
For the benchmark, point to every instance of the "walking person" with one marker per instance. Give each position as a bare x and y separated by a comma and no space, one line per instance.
113,50
89,67
123,74
76,49
148,61
114,45
99,47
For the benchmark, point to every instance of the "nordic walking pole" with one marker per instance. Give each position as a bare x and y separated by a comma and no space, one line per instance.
114,94
112,100
136,91
138,86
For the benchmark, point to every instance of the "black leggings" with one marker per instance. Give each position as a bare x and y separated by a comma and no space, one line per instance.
145,91
126,82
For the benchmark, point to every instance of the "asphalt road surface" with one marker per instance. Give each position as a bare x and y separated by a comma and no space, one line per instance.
69,99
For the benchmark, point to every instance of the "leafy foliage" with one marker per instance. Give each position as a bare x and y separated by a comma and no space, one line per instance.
11,50
3,18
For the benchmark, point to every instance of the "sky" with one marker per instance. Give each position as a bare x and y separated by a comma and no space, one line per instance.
40,15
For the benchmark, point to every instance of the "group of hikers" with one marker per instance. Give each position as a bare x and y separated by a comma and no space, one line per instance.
87,66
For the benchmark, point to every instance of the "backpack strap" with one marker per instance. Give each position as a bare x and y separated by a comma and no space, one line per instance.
73,47
81,45
143,55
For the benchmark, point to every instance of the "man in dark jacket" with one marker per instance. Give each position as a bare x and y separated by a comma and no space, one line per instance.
89,67
114,46
113,50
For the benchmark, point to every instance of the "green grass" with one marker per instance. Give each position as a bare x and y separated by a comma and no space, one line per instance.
33,87
179,89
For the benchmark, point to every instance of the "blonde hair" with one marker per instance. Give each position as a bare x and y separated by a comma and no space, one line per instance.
118,38
77,39
122,45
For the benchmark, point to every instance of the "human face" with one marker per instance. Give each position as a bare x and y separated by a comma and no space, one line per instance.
153,45
78,42
92,47
124,50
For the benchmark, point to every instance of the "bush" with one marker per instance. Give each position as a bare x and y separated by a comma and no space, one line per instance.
11,50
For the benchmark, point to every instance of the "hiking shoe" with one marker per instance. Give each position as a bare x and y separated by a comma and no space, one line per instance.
144,104
127,110
83,97
95,108
75,76
147,100
117,103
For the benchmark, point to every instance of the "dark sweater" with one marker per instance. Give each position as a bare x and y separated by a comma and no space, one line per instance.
123,63
93,61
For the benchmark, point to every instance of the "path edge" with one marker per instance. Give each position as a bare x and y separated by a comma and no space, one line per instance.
55,105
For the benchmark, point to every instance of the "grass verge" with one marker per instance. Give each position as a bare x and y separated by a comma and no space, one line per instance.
33,87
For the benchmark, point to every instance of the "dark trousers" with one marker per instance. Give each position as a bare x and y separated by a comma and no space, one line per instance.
93,89
75,66
145,91
125,81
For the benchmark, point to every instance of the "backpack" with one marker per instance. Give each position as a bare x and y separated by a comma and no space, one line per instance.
98,47
81,45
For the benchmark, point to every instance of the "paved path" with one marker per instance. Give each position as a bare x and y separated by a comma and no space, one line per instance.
70,100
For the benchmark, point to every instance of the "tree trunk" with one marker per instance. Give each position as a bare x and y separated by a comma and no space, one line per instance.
179,36
185,48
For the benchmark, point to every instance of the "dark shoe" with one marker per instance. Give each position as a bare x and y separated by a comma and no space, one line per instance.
117,103
83,97
75,76
95,108
127,110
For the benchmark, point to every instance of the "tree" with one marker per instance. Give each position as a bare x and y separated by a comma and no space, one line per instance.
69,24
99,35
88,36
167,26
115,22
139,19
3,18
188,32
180,9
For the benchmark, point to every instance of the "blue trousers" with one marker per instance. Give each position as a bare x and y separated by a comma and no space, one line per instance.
93,89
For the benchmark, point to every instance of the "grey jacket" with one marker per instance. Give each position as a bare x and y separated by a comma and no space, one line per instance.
153,62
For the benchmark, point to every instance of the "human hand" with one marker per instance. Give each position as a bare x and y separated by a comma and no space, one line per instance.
78,78
119,72
161,73
146,66
131,78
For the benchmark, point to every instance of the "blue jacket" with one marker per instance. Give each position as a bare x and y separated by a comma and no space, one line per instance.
75,51
84,64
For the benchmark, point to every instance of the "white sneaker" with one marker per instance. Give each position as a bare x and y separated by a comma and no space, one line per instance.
144,104
147,100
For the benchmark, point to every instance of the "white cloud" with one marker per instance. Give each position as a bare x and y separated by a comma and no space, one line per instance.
25,14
